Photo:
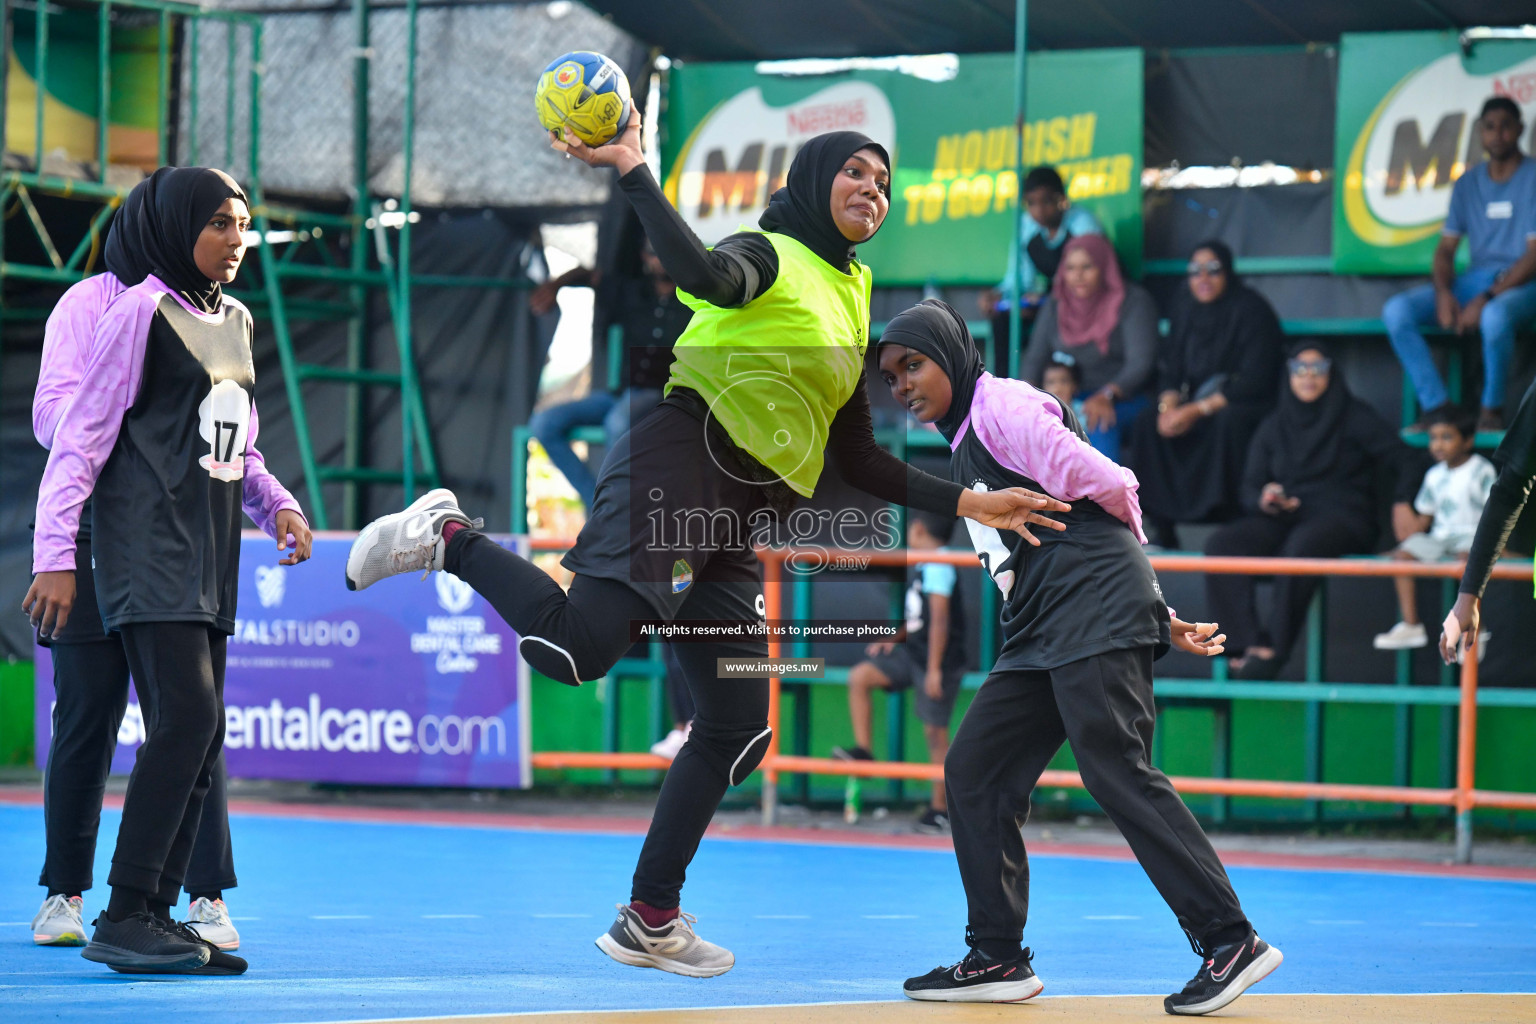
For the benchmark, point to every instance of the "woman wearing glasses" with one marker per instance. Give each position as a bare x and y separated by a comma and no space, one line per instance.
1217,374
1308,491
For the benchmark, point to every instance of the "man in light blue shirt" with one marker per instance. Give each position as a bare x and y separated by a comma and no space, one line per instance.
1051,220
1494,205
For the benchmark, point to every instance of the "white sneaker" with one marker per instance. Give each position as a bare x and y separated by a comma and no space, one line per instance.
58,923
407,541
1402,637
210,920
669,745
673,947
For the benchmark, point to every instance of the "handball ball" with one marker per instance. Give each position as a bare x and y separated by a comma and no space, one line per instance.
585,92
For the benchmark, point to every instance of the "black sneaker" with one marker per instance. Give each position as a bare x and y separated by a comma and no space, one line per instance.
978,979
219,962
852,754
933,822
141,943
1227,973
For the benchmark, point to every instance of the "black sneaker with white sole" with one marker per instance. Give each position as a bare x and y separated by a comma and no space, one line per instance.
142,944
978,979
1228,972
932,822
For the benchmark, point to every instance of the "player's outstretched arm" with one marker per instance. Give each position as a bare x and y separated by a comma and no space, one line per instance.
1012,508
736,271
1197,637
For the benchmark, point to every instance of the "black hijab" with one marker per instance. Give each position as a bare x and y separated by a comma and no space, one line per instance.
802,209
935,329
1311,431
1210,335
157,228
127,261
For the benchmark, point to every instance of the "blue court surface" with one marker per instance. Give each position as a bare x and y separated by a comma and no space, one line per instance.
348,920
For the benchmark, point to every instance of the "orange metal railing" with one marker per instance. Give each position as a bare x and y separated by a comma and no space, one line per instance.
1463,797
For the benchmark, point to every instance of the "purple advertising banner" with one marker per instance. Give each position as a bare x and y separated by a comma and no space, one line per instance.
411,682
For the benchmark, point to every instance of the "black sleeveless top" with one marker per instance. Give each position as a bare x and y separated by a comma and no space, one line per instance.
1084,591
168,502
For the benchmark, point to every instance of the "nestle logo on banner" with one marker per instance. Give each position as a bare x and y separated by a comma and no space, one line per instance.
270,581
1520,88
453,594
826,117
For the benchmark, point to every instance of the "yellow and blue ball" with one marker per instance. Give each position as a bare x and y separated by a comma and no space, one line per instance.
587,93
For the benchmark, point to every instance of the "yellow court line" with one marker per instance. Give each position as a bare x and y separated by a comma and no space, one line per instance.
1468,1008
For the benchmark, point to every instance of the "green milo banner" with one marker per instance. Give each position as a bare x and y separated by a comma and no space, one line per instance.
1406,130
731,133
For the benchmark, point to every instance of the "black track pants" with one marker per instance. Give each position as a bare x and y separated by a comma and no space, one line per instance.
1103,706
178,670
90,685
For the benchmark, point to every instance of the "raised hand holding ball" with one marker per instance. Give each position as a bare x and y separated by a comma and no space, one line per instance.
586,94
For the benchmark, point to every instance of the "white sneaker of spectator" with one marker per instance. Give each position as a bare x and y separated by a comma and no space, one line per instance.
672,742
1402,637
58,922
210,920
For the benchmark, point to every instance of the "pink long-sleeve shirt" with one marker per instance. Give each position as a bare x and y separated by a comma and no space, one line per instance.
66,346
93,365
1021,426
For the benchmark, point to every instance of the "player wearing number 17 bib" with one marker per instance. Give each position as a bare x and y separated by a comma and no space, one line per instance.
161,435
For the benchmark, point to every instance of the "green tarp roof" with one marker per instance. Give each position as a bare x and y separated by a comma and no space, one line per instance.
780,29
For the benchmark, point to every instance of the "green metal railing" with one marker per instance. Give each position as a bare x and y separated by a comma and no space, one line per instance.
1216,693
393,275
389,269
18,187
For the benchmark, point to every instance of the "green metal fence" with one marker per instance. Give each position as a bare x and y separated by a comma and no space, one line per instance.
305,234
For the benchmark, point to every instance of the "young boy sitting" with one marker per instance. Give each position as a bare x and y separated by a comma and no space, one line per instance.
1443,518
929,657
1063,377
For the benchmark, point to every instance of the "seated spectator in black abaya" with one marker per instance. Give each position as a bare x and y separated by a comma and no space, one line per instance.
1309,492
1217,374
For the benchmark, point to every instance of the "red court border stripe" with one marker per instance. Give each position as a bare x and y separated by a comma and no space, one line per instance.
16,796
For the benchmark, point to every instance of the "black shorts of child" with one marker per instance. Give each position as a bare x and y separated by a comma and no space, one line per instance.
905,672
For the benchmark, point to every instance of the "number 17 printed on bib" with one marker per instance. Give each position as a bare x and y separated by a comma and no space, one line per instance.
225,421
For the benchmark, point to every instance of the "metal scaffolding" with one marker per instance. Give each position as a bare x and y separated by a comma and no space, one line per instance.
304,234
